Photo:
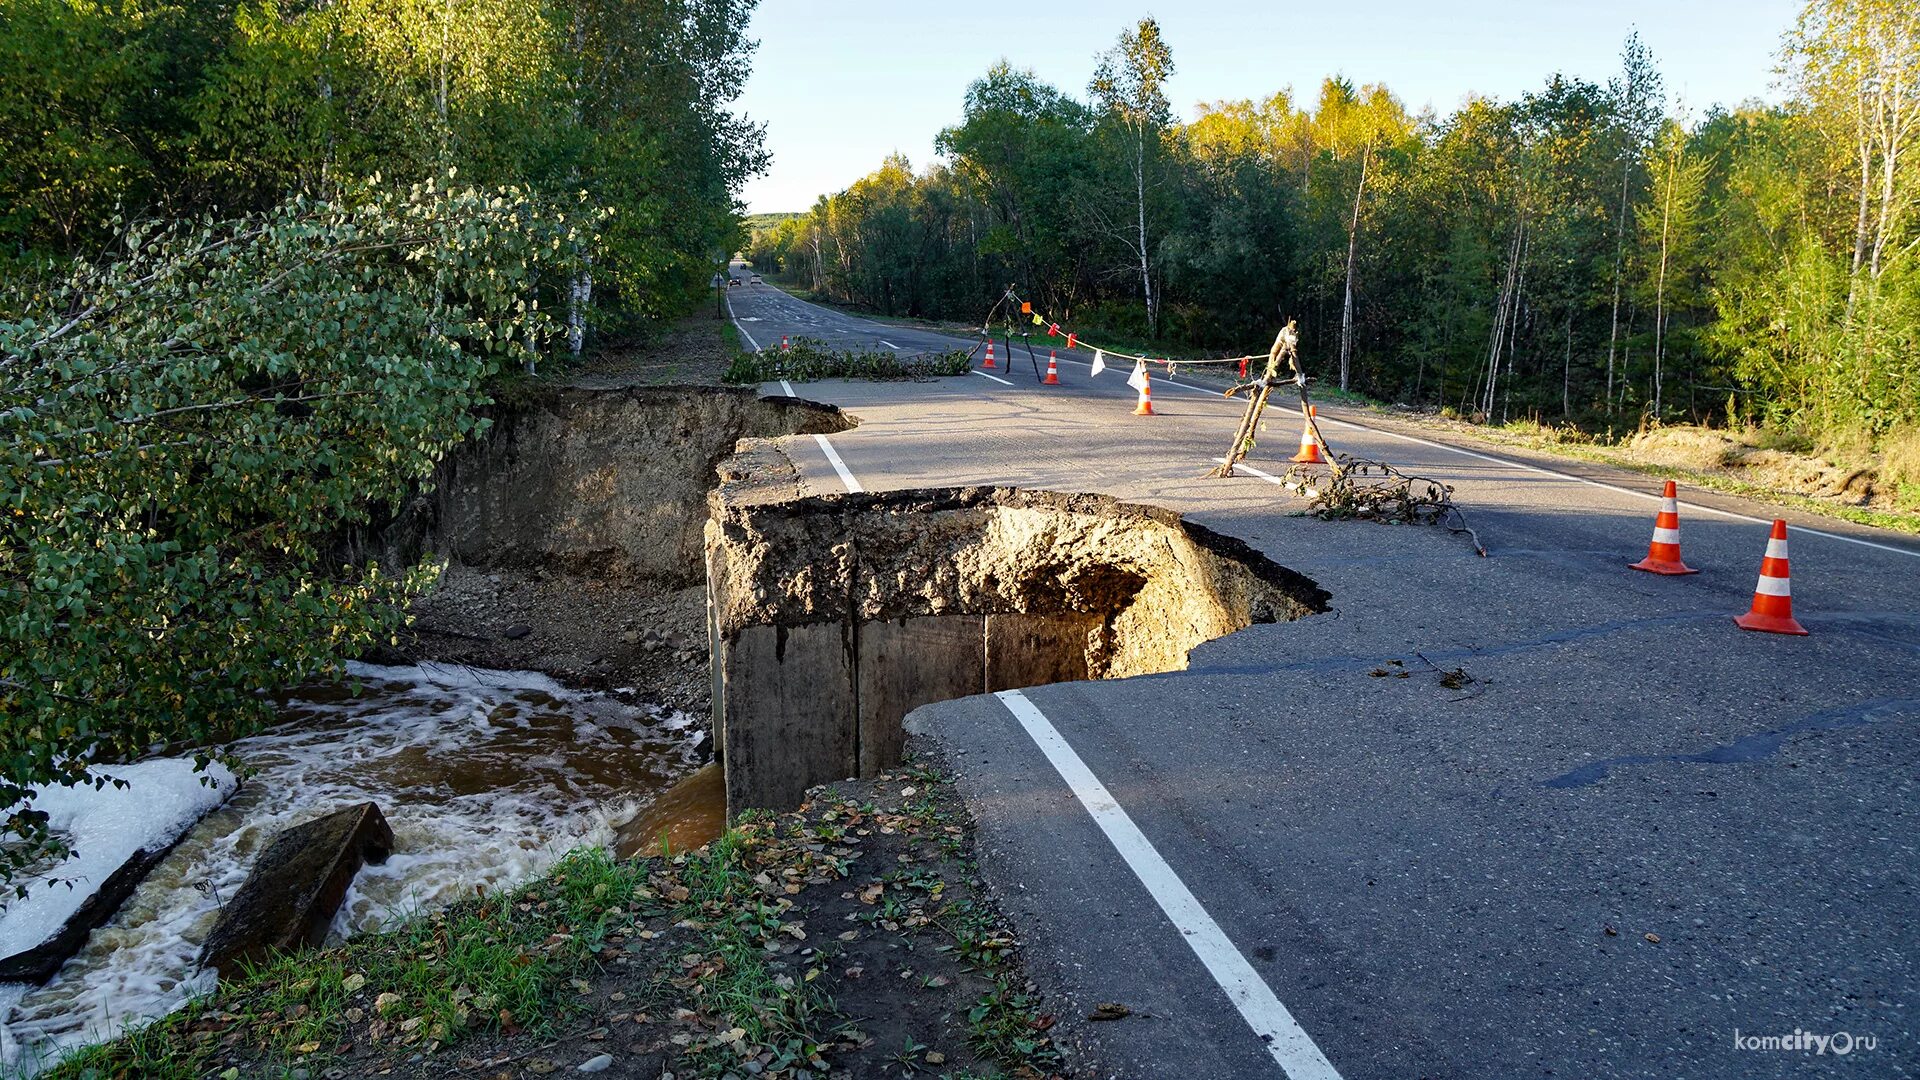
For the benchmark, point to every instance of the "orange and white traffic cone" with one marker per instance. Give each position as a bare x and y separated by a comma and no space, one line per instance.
783,343
1145,408
1053,369
989,364
1309,446
1663,554
1772,609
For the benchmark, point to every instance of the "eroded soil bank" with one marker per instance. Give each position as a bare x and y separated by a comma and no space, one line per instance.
833,617
573,535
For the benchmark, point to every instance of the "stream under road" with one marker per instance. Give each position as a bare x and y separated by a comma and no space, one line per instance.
487,778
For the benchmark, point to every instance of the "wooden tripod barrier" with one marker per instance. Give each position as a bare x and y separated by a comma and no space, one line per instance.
1286,345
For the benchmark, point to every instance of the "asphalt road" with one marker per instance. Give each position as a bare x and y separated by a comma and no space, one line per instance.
1635,839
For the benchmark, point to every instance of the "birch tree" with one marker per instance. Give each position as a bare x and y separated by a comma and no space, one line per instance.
1670,224
1857,65
1636,106
1129,86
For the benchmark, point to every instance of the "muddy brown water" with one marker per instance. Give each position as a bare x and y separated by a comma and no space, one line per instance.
487,778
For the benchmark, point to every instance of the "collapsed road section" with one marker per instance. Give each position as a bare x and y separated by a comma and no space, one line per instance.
833,617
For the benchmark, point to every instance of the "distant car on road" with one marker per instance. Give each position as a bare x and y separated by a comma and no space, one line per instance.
733,283
755,279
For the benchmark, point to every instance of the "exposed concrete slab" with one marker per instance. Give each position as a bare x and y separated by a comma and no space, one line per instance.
907,663
778,684
1033,650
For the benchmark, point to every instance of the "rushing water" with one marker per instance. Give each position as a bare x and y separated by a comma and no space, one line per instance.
486,777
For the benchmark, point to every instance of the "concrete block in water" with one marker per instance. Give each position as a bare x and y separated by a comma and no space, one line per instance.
38,964
295,887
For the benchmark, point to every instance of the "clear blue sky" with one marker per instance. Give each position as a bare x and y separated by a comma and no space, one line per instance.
842,84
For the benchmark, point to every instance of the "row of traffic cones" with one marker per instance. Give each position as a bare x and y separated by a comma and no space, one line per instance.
1772,609
1143,408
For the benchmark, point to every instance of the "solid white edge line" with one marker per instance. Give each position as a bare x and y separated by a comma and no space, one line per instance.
1292,1048
995,378
737,326
833,458
788,388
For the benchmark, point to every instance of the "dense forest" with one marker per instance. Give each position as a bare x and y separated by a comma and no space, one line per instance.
261,265
1589,253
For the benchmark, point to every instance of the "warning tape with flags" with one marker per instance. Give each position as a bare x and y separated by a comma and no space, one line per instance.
1100,353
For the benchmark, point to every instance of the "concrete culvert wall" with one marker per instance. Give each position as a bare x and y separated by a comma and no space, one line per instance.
832,617
609,484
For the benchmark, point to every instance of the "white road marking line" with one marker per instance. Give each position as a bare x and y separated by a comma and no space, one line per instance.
1290,1046
995,378
788,387
833,458
742,329
888,344
1241,466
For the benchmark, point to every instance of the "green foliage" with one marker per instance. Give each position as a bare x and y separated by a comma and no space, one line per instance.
1575,253
183,429
808,359
168,108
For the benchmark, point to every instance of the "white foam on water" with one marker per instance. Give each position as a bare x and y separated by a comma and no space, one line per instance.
150,806
486,777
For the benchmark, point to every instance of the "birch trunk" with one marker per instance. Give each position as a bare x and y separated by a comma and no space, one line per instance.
1353,244
1140,204
1619,272
1660,286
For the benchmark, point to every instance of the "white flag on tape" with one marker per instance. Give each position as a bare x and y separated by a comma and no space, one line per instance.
1138,380
1099,361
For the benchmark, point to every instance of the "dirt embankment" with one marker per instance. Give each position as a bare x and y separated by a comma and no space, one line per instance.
1738,456
573,533
1880,488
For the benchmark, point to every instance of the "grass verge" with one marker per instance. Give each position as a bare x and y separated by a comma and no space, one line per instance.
1549,440
849,939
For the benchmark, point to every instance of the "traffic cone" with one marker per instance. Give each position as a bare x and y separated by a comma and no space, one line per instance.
989,364
783,343
1053,370
1309,446
1772,609
1145,408
1663,554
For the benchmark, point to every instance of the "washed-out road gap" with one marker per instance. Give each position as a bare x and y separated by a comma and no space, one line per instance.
1385,851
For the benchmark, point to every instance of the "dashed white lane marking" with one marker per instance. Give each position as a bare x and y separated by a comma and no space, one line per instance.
1289,1044
788,388
833,458
995,378
888,344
